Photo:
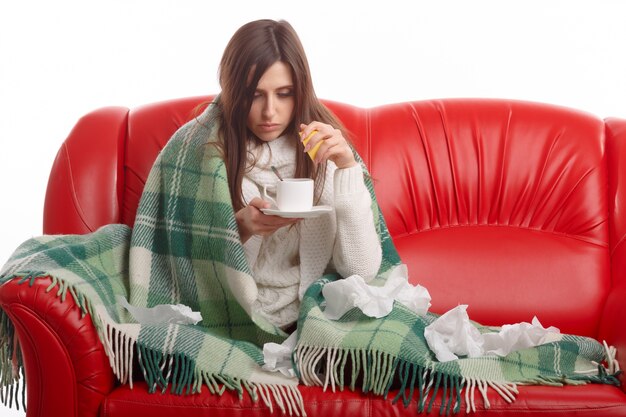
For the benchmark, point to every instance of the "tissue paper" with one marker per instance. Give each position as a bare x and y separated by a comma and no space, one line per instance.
453,335
162,313
519,336
277,358
345,294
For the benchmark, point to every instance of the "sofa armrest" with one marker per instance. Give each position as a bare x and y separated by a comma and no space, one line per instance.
67,371
612,329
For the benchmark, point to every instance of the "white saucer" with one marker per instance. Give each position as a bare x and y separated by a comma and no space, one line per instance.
314,212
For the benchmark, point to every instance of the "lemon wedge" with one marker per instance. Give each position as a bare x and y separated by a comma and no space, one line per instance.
313,151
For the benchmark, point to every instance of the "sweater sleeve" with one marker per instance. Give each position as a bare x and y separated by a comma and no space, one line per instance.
357,248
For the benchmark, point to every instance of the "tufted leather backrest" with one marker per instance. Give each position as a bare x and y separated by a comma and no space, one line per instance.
499,204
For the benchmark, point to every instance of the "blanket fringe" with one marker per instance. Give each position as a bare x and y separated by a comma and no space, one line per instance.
119,348
378,372
181,375
287,397
611,359
12,380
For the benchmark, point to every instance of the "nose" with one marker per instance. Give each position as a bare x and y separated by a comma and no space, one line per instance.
269,109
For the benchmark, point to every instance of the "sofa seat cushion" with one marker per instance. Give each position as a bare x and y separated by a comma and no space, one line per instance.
509,274
589,400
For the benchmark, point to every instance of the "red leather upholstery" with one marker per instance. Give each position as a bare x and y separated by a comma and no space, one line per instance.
67,372
514,208
612,323
83,195
592,400
501,194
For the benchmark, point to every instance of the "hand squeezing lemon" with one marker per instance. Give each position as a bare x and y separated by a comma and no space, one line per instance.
313,151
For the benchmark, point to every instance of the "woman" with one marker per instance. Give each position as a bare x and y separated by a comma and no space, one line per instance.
266,108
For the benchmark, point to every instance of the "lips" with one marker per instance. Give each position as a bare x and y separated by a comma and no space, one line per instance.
269,127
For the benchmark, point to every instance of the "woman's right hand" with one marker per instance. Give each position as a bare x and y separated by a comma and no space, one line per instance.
252,221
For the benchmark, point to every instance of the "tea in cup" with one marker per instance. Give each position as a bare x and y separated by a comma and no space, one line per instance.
292,194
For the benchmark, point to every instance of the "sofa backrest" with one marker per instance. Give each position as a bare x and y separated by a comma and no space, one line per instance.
498,204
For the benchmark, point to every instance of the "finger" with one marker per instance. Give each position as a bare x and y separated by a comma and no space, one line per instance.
327,148
316,138
259,203
309,137
307,129
310,143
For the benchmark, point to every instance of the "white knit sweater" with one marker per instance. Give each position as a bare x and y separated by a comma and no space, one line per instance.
285,263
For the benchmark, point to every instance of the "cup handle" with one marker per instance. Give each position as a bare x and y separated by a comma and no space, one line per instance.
268,198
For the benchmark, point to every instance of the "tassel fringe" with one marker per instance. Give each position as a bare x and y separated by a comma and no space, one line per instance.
12,381
182,376
610,354
377,372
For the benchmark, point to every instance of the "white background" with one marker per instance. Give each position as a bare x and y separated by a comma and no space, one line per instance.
62,59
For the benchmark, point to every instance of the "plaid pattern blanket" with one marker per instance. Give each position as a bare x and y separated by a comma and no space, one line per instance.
185,248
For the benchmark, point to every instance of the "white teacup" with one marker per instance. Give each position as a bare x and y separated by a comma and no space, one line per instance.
292,194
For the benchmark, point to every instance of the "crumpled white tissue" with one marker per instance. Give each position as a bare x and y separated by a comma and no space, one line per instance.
162,313
277,358
519,336
344,294
453,335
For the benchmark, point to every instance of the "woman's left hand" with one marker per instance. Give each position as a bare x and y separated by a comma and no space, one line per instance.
334,146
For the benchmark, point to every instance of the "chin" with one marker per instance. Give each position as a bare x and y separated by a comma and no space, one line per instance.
267,138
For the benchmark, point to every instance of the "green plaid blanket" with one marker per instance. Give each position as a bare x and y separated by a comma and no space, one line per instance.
185,249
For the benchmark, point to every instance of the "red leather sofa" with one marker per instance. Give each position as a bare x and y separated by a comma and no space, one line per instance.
514,208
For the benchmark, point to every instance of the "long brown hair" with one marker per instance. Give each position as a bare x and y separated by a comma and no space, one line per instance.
250,52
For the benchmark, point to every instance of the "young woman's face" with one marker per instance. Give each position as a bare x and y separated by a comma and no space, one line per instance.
273,103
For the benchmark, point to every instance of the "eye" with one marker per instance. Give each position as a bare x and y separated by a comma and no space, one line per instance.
285,93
